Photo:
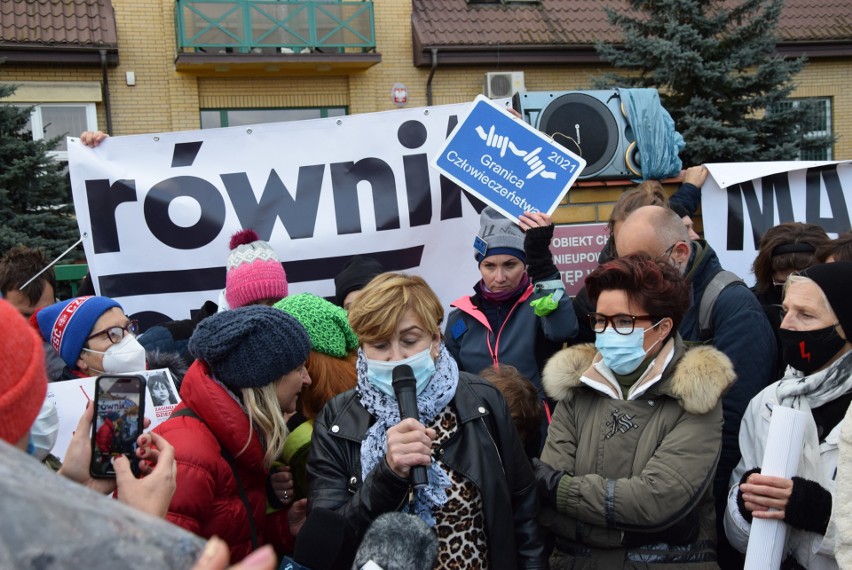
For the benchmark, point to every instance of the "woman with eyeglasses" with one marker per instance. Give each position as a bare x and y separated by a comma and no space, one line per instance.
93,336
626,474
814,335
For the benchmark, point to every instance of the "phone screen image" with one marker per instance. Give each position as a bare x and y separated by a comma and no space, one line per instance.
119,413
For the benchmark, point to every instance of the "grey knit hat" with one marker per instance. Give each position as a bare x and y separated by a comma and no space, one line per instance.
498,235
250,347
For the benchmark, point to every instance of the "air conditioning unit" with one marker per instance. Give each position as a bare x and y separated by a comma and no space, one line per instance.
500,84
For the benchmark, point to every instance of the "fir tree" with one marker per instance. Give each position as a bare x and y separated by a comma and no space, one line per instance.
34,202
715,66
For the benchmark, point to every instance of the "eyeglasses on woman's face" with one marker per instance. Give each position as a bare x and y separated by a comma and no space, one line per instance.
116,333
620,323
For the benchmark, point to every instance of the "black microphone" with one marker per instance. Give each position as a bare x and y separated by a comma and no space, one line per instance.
405,389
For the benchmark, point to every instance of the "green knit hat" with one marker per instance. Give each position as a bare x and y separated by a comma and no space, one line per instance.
326,323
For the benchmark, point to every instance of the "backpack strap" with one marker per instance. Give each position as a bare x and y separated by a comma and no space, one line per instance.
240,488
721,281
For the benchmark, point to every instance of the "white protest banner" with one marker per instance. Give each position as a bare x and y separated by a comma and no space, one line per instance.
740,201
158,210
576,249
506,162
71,397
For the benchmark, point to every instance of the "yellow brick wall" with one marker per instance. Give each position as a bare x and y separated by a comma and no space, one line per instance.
165,100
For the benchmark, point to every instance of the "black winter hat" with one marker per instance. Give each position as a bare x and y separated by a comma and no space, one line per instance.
359,271
251,346
835,280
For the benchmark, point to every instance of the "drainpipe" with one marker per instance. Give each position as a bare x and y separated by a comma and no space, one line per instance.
431,75
105,91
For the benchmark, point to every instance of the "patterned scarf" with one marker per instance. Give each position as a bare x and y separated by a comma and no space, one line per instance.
810,392
434,398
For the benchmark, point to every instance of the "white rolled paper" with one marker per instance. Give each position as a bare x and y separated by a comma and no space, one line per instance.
780,459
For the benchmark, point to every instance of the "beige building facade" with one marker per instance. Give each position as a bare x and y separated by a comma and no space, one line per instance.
144,85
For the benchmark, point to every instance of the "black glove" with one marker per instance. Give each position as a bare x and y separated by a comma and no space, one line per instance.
537,249
809,506
740,503
547,480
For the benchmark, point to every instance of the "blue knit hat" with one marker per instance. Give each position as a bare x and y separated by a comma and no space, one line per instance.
67,324
250,347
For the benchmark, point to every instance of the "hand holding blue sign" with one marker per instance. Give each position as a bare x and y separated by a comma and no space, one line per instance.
530,173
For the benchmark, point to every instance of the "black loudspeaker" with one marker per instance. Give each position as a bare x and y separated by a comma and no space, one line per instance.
591,124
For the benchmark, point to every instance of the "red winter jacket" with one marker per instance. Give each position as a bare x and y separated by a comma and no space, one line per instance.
207,501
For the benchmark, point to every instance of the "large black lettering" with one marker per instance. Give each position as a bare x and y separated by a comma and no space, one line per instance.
103,198
773,188
838,222
412,134
202,232
451,193
345,177
298,215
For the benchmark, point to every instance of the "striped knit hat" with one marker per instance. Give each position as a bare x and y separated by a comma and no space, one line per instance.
67,324
254,271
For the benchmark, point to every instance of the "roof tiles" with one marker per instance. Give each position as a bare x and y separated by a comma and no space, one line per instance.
455,23
77,23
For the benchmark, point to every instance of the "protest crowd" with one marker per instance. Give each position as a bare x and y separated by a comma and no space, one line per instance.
625,427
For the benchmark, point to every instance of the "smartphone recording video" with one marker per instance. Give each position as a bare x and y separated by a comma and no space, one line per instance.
119,413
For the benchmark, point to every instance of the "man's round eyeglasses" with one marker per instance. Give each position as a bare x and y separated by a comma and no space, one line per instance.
116,333
622,324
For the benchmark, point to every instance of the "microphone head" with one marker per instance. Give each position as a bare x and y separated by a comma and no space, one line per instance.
398,541
403,378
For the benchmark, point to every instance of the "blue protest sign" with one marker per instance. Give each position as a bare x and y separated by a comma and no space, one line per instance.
507,163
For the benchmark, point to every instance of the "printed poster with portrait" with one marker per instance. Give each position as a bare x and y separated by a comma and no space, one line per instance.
72,396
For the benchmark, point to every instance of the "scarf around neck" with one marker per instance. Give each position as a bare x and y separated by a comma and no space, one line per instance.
431,402
503,296
810,392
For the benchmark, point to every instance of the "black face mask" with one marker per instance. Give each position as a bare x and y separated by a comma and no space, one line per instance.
808,351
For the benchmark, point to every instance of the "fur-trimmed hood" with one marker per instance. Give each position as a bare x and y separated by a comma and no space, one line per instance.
697,377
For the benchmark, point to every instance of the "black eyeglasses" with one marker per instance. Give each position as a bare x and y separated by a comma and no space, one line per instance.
622,324
666,255
116,333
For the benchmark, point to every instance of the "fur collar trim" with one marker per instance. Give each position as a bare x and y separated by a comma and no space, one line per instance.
699,378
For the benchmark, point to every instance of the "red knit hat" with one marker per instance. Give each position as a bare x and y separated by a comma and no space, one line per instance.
23,382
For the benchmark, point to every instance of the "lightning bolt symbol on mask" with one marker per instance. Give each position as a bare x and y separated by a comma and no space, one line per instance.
805,354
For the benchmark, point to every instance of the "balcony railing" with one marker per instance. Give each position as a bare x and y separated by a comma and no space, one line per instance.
269,26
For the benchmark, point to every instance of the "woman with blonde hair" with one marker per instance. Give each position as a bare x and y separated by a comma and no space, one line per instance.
249,371
479,493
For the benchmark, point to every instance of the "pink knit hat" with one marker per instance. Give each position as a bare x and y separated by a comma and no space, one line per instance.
254,271
23,382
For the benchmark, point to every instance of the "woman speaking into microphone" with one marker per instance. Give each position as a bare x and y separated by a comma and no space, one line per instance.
480,496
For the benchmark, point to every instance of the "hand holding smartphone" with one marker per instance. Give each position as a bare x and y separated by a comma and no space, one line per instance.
119,416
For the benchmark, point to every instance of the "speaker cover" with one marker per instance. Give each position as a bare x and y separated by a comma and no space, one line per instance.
590,124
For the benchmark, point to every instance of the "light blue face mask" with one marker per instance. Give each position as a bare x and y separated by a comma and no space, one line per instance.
380,372
622,353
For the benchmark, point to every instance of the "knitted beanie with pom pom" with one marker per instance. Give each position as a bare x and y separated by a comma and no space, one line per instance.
254,272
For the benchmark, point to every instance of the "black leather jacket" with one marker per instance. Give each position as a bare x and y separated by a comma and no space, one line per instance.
487,450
